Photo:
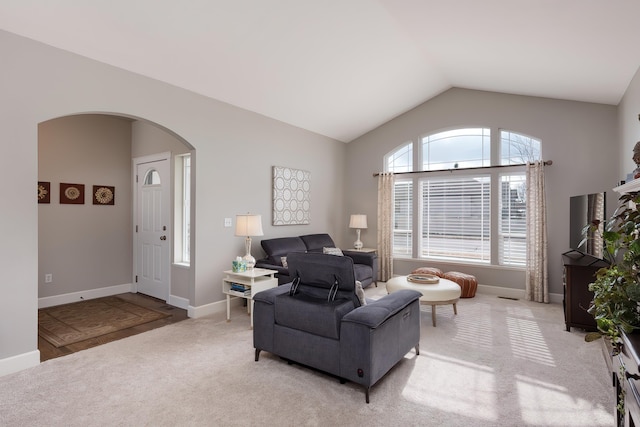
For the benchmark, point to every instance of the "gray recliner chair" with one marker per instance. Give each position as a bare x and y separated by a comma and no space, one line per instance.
319,321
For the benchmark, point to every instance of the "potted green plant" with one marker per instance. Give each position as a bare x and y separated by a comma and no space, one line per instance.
616,290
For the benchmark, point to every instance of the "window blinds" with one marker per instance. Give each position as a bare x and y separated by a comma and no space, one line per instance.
456,221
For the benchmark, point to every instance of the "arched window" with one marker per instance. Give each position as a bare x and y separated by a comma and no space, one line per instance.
458,148
455,221
400,160
152,177
516,148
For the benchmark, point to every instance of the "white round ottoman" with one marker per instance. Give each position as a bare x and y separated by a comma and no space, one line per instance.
443,292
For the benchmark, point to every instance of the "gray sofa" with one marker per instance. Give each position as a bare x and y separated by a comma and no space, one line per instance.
365,264
319,321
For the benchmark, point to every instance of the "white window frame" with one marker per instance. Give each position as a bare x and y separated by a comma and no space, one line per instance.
391,160
182,210
512,231
513,167
405,234
452,228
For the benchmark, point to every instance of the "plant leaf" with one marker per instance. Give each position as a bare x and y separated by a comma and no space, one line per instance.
592,336
633,292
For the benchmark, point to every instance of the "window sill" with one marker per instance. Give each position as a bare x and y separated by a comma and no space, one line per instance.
182,264
454,264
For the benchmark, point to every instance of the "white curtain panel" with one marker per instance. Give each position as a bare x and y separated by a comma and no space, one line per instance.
385,226
537,278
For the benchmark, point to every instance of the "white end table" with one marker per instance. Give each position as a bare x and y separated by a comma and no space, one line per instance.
254,280
363,250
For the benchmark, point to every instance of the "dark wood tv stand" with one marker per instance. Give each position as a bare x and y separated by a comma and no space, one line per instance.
579,270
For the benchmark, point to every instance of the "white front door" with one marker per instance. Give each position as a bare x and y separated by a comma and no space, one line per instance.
153,227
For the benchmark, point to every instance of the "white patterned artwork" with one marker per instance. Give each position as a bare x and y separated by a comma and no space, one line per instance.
291,196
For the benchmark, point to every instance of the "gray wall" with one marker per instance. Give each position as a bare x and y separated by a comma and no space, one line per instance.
84,246
629,125
236,150
580,138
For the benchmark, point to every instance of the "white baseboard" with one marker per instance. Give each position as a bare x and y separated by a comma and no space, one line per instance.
513,293
17,363
179,302
84,295
556,298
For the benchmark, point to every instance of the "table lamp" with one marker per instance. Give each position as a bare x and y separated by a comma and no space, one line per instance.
358,221
249,225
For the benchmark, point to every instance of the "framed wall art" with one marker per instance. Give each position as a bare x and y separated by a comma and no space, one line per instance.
291,196
71,194
104,195
44,192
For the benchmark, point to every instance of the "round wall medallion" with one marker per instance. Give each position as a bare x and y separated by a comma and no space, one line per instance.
104,195
72,193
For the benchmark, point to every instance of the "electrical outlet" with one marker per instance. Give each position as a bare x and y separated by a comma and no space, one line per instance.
48,278
227,222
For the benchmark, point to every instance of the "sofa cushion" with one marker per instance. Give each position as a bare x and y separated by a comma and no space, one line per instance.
315,242
279,247
314,315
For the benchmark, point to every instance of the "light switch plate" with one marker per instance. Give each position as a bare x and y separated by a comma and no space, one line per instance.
227,222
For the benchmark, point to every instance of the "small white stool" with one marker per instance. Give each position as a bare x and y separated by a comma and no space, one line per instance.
443,292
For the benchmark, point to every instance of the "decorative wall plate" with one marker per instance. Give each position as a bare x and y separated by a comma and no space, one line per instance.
44,192
104,195
71,194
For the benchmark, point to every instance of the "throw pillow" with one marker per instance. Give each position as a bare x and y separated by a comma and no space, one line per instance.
332,251
283,260
360,293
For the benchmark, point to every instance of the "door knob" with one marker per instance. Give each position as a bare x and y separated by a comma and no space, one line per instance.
163,237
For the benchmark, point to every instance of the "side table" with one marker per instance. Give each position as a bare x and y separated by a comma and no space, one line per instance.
254,281
365,250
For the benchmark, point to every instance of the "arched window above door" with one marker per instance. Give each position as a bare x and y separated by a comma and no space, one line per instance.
152,177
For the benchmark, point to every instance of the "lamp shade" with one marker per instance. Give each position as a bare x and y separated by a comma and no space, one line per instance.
249,225
358,221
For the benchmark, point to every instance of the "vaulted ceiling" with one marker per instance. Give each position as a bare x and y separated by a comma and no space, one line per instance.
341,68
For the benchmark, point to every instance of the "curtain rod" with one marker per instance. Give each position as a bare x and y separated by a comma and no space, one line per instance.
546,162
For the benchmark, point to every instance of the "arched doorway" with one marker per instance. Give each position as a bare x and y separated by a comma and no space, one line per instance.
86,250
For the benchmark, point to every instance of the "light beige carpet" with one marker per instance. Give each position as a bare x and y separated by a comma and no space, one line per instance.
70,323
497,363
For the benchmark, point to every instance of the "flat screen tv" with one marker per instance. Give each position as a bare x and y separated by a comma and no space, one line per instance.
584,210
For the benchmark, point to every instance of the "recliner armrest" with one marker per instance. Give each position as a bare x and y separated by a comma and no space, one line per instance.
269,295
376,313
366,258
